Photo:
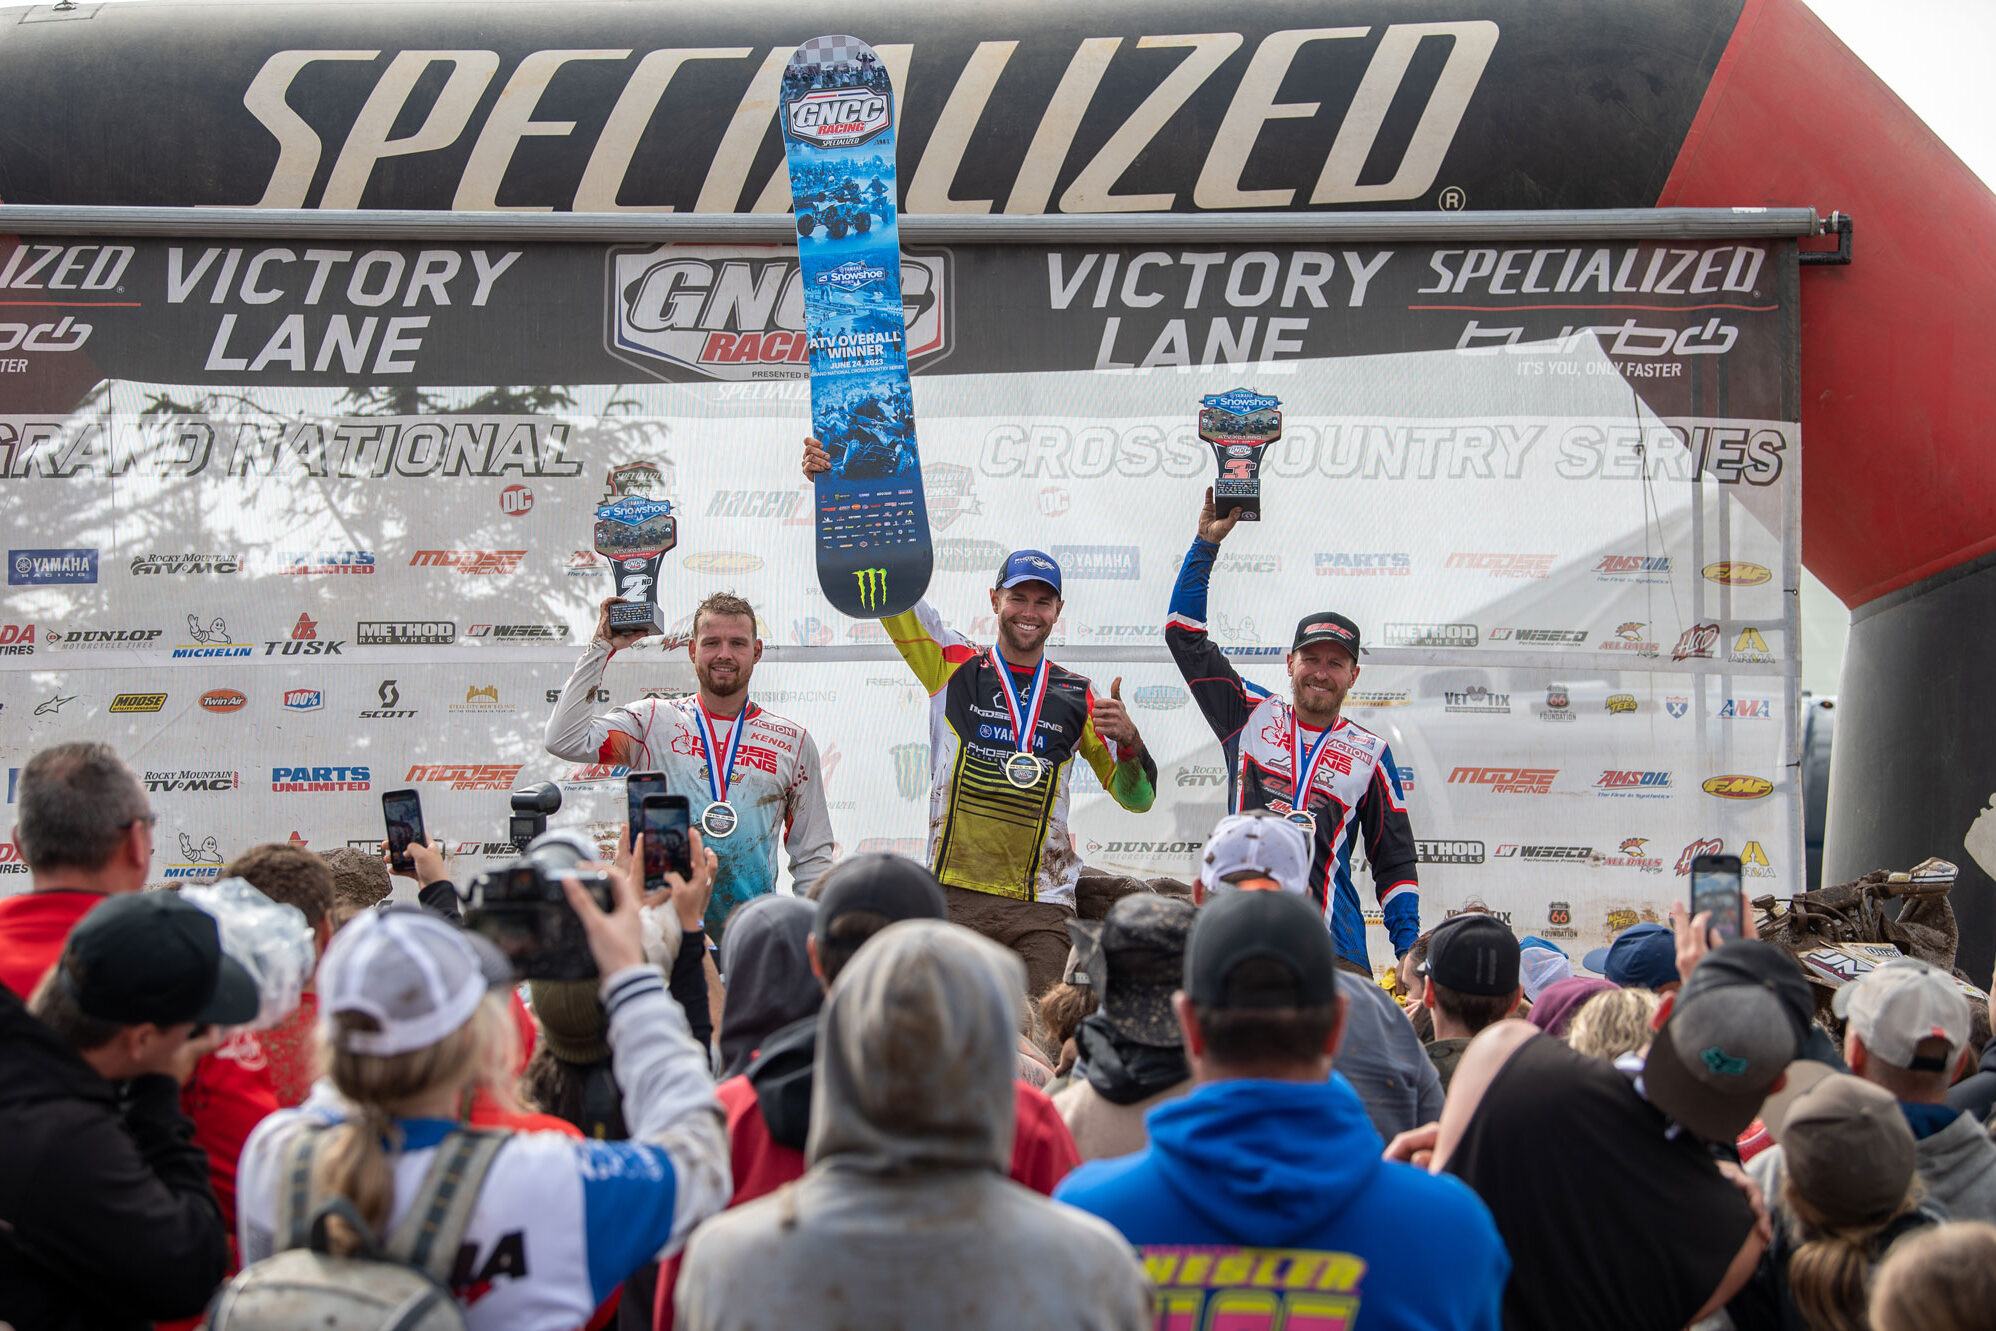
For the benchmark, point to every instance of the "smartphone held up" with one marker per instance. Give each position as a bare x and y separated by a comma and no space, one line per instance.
1715,887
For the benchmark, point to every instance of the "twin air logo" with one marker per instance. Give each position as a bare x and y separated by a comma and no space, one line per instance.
1734,787
839,117
716,312
872,587
1733,573
852,275
224,700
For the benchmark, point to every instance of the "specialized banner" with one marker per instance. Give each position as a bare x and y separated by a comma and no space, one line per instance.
291,523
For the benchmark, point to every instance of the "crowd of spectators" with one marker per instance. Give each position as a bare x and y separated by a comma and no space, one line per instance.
1206,1119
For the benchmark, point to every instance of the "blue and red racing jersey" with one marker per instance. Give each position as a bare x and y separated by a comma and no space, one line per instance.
1354,792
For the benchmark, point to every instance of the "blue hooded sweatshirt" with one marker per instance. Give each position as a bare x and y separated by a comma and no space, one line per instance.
1270,1197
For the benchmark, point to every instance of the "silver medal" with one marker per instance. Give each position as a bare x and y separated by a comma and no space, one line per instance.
1306,821
719,819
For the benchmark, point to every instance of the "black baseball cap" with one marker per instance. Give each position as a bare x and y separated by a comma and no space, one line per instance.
1269,926
1473,953
1734,1027
154,957
1142,944
890,885
1326,627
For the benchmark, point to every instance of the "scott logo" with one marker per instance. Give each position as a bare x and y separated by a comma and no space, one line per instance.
722,313
1735,787
872,587
839,117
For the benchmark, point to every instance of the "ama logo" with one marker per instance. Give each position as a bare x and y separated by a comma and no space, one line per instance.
690,312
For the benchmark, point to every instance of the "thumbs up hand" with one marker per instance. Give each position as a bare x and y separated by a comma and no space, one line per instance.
1112,723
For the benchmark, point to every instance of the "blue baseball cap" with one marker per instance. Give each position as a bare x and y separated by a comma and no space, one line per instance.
1642,956
1030,566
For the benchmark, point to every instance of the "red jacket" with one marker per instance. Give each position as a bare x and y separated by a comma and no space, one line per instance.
1043,1153
33,928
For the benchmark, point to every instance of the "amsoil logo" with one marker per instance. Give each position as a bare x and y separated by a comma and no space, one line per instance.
1503,565
1364,564
469,561
467,776
1625,782
1697,641
1507,780
1704,846
1633,568
724,313
1448,852
1736,787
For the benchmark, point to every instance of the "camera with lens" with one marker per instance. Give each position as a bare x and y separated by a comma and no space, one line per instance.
521,907
531,807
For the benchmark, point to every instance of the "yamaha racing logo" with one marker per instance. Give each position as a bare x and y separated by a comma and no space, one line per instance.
839,117
717,312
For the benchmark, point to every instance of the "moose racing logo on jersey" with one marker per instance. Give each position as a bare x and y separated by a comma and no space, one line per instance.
718,312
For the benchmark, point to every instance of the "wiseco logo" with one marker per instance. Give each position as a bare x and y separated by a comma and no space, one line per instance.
1507,780
469,561
468,776
1738,787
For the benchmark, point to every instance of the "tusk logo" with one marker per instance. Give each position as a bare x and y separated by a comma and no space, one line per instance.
872,587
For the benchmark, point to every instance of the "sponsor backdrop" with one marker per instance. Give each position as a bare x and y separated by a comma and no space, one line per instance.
292,524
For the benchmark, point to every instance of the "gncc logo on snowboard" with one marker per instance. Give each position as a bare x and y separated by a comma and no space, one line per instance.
727,313
839,117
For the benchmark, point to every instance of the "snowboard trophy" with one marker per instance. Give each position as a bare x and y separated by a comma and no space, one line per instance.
874,552
1239,424
634,529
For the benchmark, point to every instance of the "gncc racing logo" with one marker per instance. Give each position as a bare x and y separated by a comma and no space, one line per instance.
839,117
723,313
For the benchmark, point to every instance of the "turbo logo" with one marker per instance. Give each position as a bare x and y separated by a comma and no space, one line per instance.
872,587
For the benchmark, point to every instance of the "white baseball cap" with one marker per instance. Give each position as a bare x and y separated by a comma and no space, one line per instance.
1895,1006
417,976
1260,844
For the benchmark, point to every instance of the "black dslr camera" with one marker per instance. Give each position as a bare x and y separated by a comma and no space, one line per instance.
521,907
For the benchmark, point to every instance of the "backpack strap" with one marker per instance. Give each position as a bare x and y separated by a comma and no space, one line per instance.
291,1227
432,1230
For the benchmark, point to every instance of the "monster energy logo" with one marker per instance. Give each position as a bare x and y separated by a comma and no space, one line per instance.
911,769
872,587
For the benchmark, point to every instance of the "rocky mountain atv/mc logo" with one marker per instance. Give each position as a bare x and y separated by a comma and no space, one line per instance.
720,312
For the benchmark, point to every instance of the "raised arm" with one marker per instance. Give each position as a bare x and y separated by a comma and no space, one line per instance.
1110,743
1225,699
575,731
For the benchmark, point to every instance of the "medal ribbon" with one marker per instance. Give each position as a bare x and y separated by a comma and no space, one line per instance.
721,770
1304,769
1023,726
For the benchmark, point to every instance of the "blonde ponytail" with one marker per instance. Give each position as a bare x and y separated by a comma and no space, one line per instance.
1829,1274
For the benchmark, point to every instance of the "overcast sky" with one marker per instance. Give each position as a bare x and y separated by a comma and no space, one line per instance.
1936,55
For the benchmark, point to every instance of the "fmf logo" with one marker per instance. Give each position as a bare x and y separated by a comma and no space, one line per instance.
1733,573
727,313
1735,787
839,117
872,587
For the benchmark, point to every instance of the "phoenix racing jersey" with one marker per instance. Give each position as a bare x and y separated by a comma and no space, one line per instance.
1354,790
986,834
561,1221
777,787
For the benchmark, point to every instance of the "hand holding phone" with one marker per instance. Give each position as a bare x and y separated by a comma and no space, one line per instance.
1715,887
637,786
667,820
402,810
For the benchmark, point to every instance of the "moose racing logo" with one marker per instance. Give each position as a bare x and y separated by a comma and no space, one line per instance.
719,312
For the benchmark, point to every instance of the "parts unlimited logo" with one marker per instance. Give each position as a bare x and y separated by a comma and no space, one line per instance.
724,313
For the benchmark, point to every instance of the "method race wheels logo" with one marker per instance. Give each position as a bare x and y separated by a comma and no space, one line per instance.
715,312
872,587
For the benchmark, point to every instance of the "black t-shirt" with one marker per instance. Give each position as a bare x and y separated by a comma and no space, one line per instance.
1609,1224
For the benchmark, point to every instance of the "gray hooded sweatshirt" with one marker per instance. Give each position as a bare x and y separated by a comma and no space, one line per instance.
906,1219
